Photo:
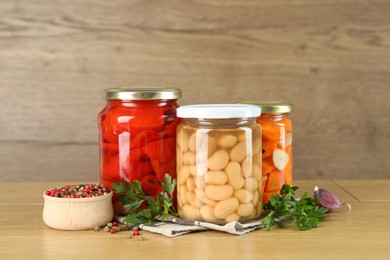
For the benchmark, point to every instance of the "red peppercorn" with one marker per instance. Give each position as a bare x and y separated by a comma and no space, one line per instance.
114,223
136,233
91,187
112,230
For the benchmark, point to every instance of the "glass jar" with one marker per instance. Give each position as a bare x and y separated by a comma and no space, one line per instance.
137,138
219,163
277,145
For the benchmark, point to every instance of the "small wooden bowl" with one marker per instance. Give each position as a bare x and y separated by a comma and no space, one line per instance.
77,213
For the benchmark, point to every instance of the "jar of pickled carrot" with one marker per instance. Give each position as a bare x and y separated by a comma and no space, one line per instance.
219,163
276,145
137,137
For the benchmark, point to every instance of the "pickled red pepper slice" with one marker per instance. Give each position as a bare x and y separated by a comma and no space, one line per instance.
162,150
151,185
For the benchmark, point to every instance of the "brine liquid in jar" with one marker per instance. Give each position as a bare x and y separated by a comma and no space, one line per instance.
137,138
219,163
276,145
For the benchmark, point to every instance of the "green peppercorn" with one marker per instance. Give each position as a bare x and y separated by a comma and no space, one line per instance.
109,225
96,228
107,229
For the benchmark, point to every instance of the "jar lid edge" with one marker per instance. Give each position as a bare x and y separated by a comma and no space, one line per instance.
218,111
272,107
141,93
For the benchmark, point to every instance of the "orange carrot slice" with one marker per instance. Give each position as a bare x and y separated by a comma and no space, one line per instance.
267,196
288,173
268,147
273,182
267,166
271,131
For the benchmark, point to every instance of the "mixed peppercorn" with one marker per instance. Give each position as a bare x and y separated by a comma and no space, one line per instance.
78,191
114,227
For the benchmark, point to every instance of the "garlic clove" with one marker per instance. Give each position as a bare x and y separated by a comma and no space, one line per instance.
329,200
280,159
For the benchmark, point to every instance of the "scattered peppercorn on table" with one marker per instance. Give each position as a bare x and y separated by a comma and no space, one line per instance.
363,233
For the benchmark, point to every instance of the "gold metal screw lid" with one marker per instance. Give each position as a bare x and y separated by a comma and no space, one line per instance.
141,93
272,107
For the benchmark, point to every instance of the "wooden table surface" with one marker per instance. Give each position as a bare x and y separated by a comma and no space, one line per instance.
363,233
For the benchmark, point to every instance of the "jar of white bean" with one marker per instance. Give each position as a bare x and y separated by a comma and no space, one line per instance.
219,163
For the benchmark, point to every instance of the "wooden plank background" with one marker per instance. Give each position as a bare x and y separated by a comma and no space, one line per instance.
331,58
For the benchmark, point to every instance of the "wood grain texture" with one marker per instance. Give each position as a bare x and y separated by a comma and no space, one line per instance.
330,58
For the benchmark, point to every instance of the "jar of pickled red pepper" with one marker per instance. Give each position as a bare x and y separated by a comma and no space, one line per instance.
276,145
219,163
137,138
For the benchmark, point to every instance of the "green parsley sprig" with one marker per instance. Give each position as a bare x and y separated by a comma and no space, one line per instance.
305,213
146,209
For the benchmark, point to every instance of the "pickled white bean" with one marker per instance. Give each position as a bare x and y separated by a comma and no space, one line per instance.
191,213
193,200
238,152
216,177
218,160
253,214
232,217
256,197
227,141
183,174
218,192
207,213
233,171
193,170
189,158
251,184
226,207
211,145
258,209
190,183
246,167
245,209
192,142
203,198
183,194
182,141
179,158
256,171
243,196
256,146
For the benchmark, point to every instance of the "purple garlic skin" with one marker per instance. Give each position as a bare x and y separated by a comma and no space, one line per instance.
328,200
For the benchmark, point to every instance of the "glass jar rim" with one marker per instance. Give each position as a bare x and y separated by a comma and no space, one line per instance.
141,93
272,107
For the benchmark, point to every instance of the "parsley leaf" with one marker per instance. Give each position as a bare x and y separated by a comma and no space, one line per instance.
305,213
146,209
